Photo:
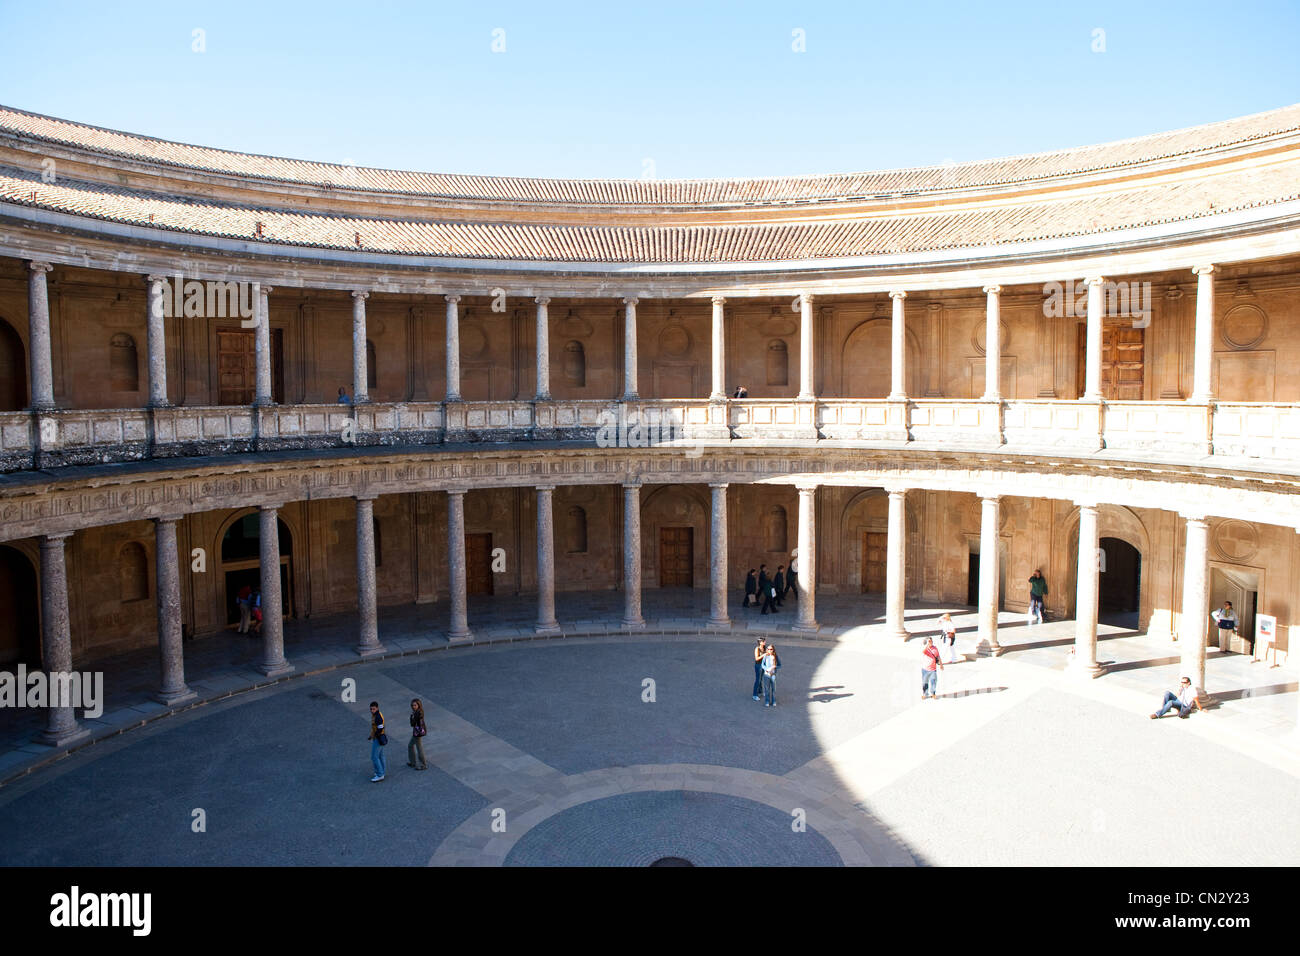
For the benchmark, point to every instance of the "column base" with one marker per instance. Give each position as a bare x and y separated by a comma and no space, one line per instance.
276,669
370,650
1082,671
637,625
174,697
986,649
806,628
719,624
552,627
460,637
902,633
61,738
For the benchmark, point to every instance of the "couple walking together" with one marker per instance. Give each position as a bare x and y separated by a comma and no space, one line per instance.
766,664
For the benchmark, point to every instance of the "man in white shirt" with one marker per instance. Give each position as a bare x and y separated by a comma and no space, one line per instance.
1185,699
1226,620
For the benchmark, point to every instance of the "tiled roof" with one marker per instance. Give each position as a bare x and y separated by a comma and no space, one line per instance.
863,235
891,183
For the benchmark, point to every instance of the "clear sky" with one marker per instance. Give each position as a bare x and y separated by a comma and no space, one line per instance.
624,89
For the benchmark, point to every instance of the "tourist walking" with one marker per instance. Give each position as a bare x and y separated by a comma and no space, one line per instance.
1226,620
792,579
760,649
947,639
1037,591
245,601
418,729
778,583
751,590
766,590
771,664
1185,699
930,667
378,740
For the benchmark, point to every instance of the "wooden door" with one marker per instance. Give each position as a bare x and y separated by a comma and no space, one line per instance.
676,557
237,366
478,563
874,556
1123,361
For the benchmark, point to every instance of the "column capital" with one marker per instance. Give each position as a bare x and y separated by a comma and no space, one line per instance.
154,278
898,294
1203,270
986,495
993,289
806,299
1090,504
456,491
542,299
546,488
272,508
1195,517
265,289
38,266
366,496
168,519
807,489
719,484
360,294
718,299
59,536
1094,280
631,483
630,300
896,491
452,299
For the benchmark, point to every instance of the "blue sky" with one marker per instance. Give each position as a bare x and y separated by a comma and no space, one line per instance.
605,89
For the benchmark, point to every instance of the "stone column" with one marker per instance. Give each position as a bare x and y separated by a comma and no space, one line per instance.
898,350
718,616
543,351
629,349
990,520
992,345
807,576
157,342
632,555
273,659
458,630
360,378
56,637
1203,359
367,599
805,355
262,343
168,577
896,565
546,622
719,392
38,325
1096,316
453,350
1196,600
1088,590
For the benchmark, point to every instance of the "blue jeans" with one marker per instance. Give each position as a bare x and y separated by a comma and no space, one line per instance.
769,689
1171,700
1036,609
929,682
758,678
377,758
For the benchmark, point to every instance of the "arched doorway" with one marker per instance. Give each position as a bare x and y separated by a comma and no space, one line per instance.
20,626
1120,591
13,370
241,562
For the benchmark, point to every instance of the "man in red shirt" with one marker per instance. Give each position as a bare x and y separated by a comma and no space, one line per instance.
930,667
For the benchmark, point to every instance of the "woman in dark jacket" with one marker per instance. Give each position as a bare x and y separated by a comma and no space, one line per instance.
418,730
751,589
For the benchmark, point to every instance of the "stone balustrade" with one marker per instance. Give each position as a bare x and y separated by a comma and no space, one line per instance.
1234,430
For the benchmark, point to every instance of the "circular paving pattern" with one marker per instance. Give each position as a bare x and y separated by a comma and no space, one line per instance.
642,829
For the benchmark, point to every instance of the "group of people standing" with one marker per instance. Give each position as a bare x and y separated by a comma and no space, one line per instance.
379,740
249,600
769,592
766,664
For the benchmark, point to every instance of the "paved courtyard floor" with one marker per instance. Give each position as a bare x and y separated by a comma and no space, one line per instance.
623,749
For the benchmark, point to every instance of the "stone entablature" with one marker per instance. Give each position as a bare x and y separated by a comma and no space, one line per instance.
36,505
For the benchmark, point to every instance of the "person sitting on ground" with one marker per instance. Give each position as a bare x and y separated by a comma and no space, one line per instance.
1185,698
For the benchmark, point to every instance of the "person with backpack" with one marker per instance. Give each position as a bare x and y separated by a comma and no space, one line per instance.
378,740
418,730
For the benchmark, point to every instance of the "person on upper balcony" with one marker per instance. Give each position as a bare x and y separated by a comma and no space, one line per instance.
741,392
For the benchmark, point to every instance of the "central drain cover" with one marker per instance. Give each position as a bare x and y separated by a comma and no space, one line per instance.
672,861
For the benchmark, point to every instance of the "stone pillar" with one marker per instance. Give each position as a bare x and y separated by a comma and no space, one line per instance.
718,616
157,342
990,521
629,349
56,637
453,351
458,630
805,354
1087,594
546,622
807,576
367,599
262,343
1196,600
1203,358
38,325
992,345
543,351
898,350
360,379
632,555
168,577
719,392
273,659
896,565
1096,317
